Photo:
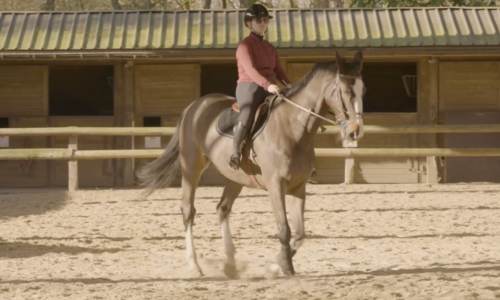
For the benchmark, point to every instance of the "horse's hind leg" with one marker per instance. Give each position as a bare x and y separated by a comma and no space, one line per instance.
231,191
192,167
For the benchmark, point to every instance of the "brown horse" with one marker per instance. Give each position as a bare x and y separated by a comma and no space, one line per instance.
283,153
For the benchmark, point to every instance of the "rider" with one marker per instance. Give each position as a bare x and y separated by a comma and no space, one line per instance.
259,70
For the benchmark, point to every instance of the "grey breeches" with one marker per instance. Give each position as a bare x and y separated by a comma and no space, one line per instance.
249,96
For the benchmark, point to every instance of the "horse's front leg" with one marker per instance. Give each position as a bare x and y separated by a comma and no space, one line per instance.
277,196
296,212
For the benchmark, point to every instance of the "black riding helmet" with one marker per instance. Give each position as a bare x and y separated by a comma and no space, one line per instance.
256,11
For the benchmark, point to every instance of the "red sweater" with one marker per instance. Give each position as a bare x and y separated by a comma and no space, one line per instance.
258,62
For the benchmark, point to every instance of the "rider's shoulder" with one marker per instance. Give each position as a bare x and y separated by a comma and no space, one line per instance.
247,40
268,43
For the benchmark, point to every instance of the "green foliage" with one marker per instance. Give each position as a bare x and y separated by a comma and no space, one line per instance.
26,5
414,3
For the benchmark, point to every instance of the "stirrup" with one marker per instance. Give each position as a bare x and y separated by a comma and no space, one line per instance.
234,161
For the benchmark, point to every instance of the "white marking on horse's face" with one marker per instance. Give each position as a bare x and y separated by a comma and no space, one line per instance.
358,89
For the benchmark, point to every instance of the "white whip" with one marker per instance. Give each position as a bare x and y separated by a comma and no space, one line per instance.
307,111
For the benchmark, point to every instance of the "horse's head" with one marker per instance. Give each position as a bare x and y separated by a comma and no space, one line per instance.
345,96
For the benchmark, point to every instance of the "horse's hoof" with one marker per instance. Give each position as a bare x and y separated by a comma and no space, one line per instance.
230,271
286,264
272,271
288,271
195,272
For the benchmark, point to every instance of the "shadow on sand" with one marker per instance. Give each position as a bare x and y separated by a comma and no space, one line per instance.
25,250
18,203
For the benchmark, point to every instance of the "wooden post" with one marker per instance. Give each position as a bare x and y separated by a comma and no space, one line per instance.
73,164
129,119
428,101
119,121
432,170
349,163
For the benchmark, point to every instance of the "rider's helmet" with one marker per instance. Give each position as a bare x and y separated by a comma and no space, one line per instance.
256,11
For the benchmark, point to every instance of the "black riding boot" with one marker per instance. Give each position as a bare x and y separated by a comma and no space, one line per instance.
239,136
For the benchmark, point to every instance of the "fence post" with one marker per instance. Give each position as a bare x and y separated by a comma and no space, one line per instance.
129,120
73,164
427,105
349,162
432,170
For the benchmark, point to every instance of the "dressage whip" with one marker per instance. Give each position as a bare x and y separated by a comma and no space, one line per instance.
306,110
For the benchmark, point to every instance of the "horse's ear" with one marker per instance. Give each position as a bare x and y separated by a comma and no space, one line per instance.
358,60
340,61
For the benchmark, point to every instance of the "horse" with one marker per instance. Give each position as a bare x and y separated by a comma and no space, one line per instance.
282,160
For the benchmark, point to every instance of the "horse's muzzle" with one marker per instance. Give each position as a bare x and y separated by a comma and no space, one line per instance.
354,130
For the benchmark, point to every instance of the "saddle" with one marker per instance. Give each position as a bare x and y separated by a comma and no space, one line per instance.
228,118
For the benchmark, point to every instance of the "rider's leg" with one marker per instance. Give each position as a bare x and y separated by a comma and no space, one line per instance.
249,95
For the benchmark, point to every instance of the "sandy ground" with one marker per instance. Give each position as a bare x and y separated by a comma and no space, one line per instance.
364,242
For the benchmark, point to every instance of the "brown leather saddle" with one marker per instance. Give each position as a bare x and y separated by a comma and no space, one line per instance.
229,117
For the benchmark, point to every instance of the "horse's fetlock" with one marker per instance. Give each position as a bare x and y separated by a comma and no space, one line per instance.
188,213
223,212
284,235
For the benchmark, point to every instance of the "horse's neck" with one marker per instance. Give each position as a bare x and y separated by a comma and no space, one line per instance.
299,124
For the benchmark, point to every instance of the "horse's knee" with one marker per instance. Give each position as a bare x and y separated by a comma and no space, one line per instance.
297,242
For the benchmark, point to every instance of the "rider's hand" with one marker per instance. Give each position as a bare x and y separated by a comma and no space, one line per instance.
273,89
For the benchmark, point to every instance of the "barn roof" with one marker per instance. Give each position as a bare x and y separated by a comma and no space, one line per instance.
219,29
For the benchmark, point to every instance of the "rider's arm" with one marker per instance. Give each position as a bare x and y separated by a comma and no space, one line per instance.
244,57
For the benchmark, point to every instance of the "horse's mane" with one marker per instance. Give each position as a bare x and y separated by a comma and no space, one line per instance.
319,67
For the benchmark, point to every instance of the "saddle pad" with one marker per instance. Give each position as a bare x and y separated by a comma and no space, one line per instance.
227,119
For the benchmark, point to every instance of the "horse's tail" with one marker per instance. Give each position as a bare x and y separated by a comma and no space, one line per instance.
162,171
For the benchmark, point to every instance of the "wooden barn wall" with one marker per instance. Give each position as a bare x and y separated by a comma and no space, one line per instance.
23,91
165,89
469,86
24,101
469,93
449,92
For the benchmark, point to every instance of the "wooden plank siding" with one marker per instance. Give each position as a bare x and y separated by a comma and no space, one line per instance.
469,93
466,86
23,90
24,101
163,90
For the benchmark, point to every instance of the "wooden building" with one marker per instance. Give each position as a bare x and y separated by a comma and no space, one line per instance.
141,68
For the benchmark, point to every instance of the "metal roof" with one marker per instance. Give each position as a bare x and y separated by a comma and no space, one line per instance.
212,29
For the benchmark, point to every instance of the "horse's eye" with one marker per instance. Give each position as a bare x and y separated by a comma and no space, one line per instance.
348,92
